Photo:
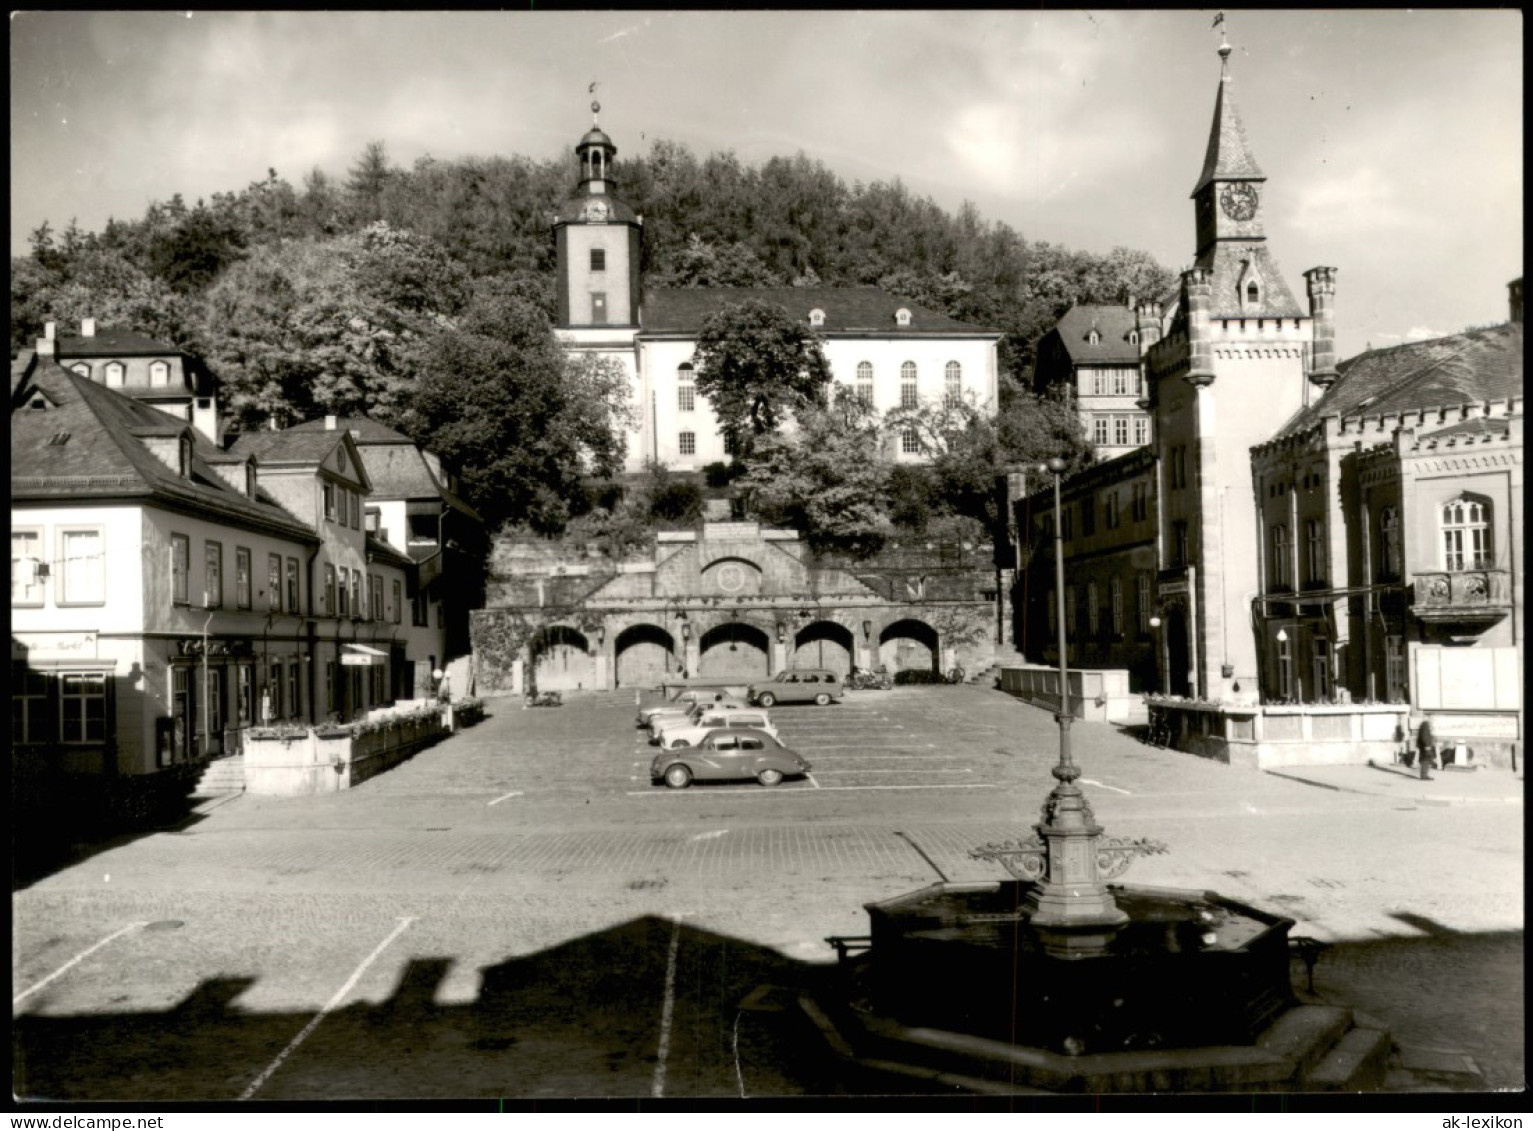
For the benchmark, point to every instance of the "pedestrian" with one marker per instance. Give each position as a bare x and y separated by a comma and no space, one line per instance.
1426,752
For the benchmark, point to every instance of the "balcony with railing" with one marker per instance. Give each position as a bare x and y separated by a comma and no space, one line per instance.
1467,596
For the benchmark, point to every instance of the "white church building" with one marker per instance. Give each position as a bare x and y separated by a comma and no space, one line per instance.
892,352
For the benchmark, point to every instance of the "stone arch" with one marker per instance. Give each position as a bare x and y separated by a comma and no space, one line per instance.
734,648
562,659
643,655
909,645
823,644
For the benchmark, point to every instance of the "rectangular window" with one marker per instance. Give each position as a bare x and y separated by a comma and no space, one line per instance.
29,705
398,607
213,575
356,509
1071,620
343,606
1320,670
1100,427
274,690
375,593
1278,563
1093,611
686,397
1099,382
244,690
418,610
330,510
1141,430
1285,669
598,259
1179,547
1052,612
1314,550
241,577
274,583
1120,430
1143,611
294,697
686,444
1116,591
908,395
598,309
910,442
1088,517
1394,668
26,567
356,594
215,705
292,586
82,707
1067,525
330,673
1124,382
180,569
329,589
1111,505
84,572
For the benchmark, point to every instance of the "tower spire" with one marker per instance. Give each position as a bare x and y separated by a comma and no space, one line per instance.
1229,154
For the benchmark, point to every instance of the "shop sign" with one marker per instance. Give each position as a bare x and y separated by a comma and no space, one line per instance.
193,646
351,660
54,645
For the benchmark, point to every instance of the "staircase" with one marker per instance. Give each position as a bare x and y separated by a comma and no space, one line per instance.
223,775
1004,658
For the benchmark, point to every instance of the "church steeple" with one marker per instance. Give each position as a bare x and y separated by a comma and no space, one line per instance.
596,240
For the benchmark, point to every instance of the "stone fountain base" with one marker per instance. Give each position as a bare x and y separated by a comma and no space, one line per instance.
1192,993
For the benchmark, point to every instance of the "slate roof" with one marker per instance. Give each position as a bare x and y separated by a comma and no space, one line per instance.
1469,368
111,341
286,446
1229,153
395,466
847,310
1225,263
363,430
378,548
1113,324
101,456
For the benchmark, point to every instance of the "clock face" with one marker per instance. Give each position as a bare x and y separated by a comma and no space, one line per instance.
596,210
1239,201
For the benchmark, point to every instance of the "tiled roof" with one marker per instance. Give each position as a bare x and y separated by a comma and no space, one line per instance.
1113,325
378,548
100,456
1225,264
1469,368
110,341
399,471
363,430
287,446
1229,153
847,309
1478,426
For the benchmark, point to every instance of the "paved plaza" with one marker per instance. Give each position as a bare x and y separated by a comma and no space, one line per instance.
519,912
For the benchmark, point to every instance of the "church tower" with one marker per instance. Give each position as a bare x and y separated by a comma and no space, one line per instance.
596,239
1237,361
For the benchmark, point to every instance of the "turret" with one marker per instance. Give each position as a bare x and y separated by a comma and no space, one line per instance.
1197,291
1147,317
1321,282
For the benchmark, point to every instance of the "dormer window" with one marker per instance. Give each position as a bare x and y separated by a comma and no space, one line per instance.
902,317
81,367
159,373
1133,337
250,479
1095,337
816,317
116,374
1253,292
1250,286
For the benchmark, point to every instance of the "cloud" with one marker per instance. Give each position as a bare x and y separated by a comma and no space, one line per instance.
1424,333
1362,200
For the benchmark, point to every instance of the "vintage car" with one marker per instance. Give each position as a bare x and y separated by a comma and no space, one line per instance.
799,685
726,754
753,718
662,723
684,703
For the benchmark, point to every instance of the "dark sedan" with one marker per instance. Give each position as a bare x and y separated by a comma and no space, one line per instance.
726,755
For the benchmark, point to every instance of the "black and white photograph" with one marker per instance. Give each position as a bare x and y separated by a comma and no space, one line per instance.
810,560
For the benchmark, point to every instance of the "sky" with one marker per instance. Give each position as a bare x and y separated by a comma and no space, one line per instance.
1391,140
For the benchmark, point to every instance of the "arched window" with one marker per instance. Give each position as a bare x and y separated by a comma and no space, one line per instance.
159,373
1466,533
1389,542
908,398
952,382
865,382
116,374
686,391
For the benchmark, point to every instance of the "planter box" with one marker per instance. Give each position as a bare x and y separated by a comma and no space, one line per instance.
329,759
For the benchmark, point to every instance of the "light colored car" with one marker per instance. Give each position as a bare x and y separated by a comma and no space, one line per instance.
727,754
799,685
684,703
748,719
662,723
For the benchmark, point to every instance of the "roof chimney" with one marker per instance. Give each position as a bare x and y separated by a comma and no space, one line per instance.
50,330
330,423
87,327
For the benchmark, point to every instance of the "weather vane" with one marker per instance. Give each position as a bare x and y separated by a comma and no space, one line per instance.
1224,43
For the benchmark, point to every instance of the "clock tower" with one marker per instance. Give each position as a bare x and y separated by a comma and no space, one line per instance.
596,239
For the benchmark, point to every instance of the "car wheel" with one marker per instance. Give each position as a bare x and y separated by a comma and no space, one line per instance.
766,699
821,699
679,743
769,777
678,776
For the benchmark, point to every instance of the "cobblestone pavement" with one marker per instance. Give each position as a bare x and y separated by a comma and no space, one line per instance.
520,912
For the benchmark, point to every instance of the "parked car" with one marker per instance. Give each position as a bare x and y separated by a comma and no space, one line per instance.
685,702
798,685
662,723
726,754
674,738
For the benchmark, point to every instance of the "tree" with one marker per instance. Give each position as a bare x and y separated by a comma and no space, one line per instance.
828,480
499,399
756,364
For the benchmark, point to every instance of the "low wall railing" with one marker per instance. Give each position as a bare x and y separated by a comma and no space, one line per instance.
296,761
